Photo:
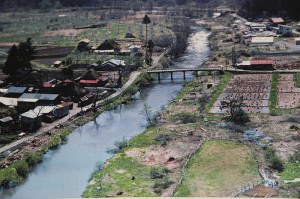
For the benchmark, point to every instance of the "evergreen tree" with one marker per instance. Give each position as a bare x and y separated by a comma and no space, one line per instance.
11,64
146,21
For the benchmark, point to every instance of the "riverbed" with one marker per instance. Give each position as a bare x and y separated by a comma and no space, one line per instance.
64,172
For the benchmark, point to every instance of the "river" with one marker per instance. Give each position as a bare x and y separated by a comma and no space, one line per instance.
64,172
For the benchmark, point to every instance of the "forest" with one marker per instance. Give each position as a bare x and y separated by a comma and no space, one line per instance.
7,5
283,8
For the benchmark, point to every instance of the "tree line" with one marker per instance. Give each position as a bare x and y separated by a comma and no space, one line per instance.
7,5
282,8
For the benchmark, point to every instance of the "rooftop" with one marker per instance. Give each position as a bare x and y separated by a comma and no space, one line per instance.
277,20
261,62
40,96
9,101
14,89
262,40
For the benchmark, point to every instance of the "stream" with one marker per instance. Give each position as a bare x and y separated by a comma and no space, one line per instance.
64,172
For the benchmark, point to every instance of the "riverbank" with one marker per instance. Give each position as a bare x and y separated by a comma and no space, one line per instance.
157,162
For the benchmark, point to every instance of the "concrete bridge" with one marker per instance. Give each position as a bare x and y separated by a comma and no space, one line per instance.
183,70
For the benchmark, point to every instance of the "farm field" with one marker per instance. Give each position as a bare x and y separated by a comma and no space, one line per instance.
254,89
288,93
219,168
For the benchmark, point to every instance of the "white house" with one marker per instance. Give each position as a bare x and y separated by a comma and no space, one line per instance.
262,41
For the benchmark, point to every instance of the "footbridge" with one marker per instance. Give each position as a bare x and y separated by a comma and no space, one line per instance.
182,70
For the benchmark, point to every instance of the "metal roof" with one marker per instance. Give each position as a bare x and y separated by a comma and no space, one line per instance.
40,96
27,100
44,109
277,20
6,119
9,101
14,89
261,62
262,40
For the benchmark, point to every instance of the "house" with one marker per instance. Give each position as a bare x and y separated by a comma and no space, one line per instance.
6,121
124,52
262,41
109,45
112,65
104,52
285,30
135,49
265,64
26,104
43,99
276,21
83,45
297,41
61,110
86,100
245,65
129,35
30,119
56,64
15,91
257,27
10,102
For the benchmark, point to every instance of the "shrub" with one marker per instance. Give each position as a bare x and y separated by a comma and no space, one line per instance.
9,177
161,184
21,167
32,158
295,157
276,163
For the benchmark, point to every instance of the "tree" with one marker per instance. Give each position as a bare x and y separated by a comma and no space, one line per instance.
237,115
45,5
150,46
19,57
146,21
11,65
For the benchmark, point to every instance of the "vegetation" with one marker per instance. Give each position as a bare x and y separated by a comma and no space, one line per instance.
275,161
19,57
273,93
218,168
237,115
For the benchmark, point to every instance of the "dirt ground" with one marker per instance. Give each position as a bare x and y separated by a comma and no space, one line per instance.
66,33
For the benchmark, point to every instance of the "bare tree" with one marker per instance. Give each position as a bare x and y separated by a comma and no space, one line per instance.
237,115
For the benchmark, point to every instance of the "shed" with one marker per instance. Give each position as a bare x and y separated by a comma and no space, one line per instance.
6,121
30,119
285,30
264,64
262,41
109,45
297,41
25,104
44,99
258,27
61,110
57,64
10,102
276,21
15,91
112,65
83,45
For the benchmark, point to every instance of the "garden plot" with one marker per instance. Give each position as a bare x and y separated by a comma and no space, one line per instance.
288,93
253,88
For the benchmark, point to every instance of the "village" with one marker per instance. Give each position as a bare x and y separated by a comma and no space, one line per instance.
253,63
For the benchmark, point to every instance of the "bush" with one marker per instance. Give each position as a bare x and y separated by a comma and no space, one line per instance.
9,177
161,184
295,157
276,163
33,158
21,167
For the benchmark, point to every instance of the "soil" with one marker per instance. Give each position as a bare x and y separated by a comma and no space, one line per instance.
66,33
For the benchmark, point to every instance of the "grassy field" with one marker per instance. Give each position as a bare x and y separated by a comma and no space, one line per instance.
219,168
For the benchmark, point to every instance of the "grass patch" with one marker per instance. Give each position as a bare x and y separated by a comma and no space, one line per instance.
225,79
124,174
291,172
297,79
273,94
217,169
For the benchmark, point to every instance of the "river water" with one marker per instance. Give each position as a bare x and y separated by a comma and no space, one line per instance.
64,172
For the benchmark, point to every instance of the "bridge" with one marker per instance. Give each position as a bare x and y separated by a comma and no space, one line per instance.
183,70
